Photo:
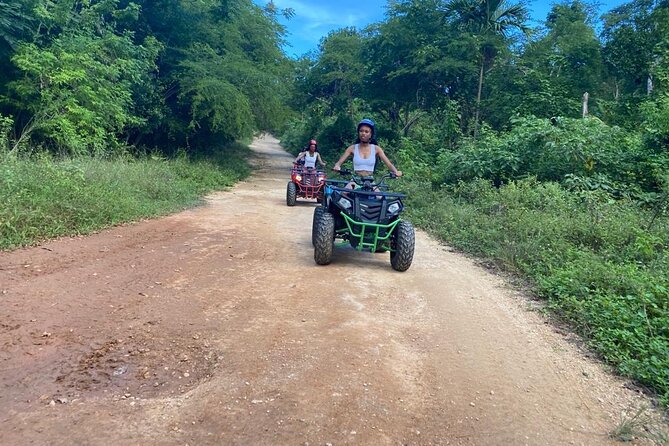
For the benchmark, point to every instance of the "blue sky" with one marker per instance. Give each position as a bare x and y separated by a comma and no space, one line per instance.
315,18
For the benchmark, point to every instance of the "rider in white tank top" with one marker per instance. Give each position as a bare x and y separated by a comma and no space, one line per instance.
364,164
310,156
366,130
310,160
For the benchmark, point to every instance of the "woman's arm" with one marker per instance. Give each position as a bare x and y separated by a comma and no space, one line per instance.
344,157
385,159
300,156
320,160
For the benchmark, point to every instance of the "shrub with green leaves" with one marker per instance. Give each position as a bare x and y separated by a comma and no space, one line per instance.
79,89
553,150
656,122
6,124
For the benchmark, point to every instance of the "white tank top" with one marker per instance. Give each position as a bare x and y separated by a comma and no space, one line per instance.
366,164
310,161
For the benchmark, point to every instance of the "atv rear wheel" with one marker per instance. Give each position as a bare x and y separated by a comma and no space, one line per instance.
317,215
404,241
324,238
291,194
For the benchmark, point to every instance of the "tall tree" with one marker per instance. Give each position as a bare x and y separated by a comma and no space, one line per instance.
78,75
223,72
635,53
487,20
14,24
340,68
562,64
416,63
631,33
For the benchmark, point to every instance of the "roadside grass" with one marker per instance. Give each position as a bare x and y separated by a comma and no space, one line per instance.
602,265
43,197
639,424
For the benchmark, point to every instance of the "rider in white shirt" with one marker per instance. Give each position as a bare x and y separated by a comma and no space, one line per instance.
365,151
311,156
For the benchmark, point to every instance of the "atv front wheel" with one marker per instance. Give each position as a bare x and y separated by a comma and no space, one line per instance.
324,238
404,241
318,212
291,194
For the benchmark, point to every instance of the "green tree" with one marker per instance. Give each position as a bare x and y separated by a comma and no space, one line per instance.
631,33
15,24
556,69
635,48
487,21
223,74
339,70
78,77
80,90
416,64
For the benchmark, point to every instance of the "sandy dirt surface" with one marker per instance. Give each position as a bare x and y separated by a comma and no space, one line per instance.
214,326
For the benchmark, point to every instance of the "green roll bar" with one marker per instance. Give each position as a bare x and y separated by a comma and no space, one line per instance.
366,228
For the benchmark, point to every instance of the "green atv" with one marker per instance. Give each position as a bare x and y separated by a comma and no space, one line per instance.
367,218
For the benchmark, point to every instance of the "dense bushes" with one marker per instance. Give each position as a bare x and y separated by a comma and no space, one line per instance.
587,151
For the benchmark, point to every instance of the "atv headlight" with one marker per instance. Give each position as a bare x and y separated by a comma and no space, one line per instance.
394,208
345,203
298,177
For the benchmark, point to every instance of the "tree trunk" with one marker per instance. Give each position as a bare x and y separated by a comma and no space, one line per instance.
586,96
478,99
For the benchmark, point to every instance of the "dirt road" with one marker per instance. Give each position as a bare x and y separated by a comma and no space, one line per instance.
215,327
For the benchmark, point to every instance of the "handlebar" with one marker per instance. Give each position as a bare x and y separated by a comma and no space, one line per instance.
300,166
367,182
